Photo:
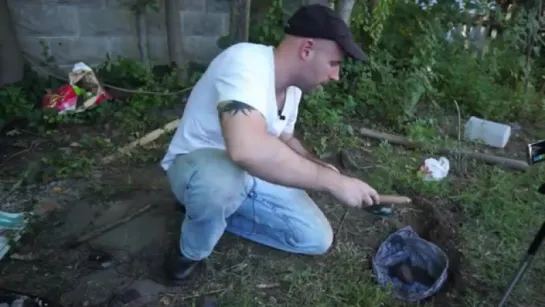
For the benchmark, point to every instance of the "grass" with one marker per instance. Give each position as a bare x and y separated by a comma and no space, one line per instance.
341,279
483,216
500,212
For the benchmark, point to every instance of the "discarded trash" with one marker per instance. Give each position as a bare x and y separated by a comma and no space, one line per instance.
434,170
83,92
491,133
12,298
414,267
11,228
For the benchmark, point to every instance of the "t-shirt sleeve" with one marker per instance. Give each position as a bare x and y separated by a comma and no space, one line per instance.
242,81
292,116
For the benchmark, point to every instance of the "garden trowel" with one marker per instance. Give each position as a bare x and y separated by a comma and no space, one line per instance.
386,206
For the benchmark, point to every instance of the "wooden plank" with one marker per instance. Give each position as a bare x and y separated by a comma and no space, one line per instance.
487,158
239,26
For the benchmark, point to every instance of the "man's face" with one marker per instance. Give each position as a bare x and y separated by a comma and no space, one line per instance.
320,63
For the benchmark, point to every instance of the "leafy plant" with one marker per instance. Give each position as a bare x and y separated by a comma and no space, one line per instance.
16,104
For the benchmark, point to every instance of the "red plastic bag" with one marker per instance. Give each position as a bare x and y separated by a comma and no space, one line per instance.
83,92
65,98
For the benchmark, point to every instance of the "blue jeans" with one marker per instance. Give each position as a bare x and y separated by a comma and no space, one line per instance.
219,196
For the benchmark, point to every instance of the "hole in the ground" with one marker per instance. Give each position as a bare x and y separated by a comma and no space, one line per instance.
439,221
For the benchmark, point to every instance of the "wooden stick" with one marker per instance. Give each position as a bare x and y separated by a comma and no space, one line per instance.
394,200
490,159
146,139
93,234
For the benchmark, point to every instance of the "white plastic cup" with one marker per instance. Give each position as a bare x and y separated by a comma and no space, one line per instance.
491,133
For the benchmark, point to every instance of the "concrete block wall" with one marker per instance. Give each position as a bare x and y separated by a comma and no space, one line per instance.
87,30
203,22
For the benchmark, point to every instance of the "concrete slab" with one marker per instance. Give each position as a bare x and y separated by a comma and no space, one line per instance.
79,216
95,289
135,234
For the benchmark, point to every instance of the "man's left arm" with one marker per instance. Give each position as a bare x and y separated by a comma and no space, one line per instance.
298,147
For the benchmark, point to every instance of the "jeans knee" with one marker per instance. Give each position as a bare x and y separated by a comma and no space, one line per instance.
316,240
326,240
207,182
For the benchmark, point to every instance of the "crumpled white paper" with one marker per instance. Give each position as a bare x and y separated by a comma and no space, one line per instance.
435,169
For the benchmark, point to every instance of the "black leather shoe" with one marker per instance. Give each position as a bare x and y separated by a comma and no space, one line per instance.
181,269
180,207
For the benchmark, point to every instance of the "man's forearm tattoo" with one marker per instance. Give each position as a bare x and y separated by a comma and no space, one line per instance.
233,107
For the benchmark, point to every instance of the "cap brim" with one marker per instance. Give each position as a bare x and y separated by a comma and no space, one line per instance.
352,49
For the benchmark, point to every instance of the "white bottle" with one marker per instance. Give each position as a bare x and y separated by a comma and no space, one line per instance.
491,133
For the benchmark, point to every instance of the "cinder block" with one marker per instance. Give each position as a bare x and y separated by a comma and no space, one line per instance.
126,47
78,3
200,48
158,50
119,4
157,24
68,51
17,4
218,6
54,20
193,5
106,22
203,23
34,46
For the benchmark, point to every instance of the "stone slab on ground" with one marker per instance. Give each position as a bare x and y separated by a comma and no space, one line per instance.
143,292
84,217
95,289
138,249
79,216
135,234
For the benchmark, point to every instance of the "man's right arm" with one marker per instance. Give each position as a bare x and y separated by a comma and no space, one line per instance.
250,145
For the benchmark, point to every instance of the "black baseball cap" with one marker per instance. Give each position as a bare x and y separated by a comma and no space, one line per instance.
319,21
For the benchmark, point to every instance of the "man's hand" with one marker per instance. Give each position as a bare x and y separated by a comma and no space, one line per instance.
354,192
351,191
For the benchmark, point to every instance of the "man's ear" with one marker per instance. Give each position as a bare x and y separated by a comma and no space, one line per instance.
307,48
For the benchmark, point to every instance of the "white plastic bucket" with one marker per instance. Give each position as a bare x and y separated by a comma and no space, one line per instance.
491,133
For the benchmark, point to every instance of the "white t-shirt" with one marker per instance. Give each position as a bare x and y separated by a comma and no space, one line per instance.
243,72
